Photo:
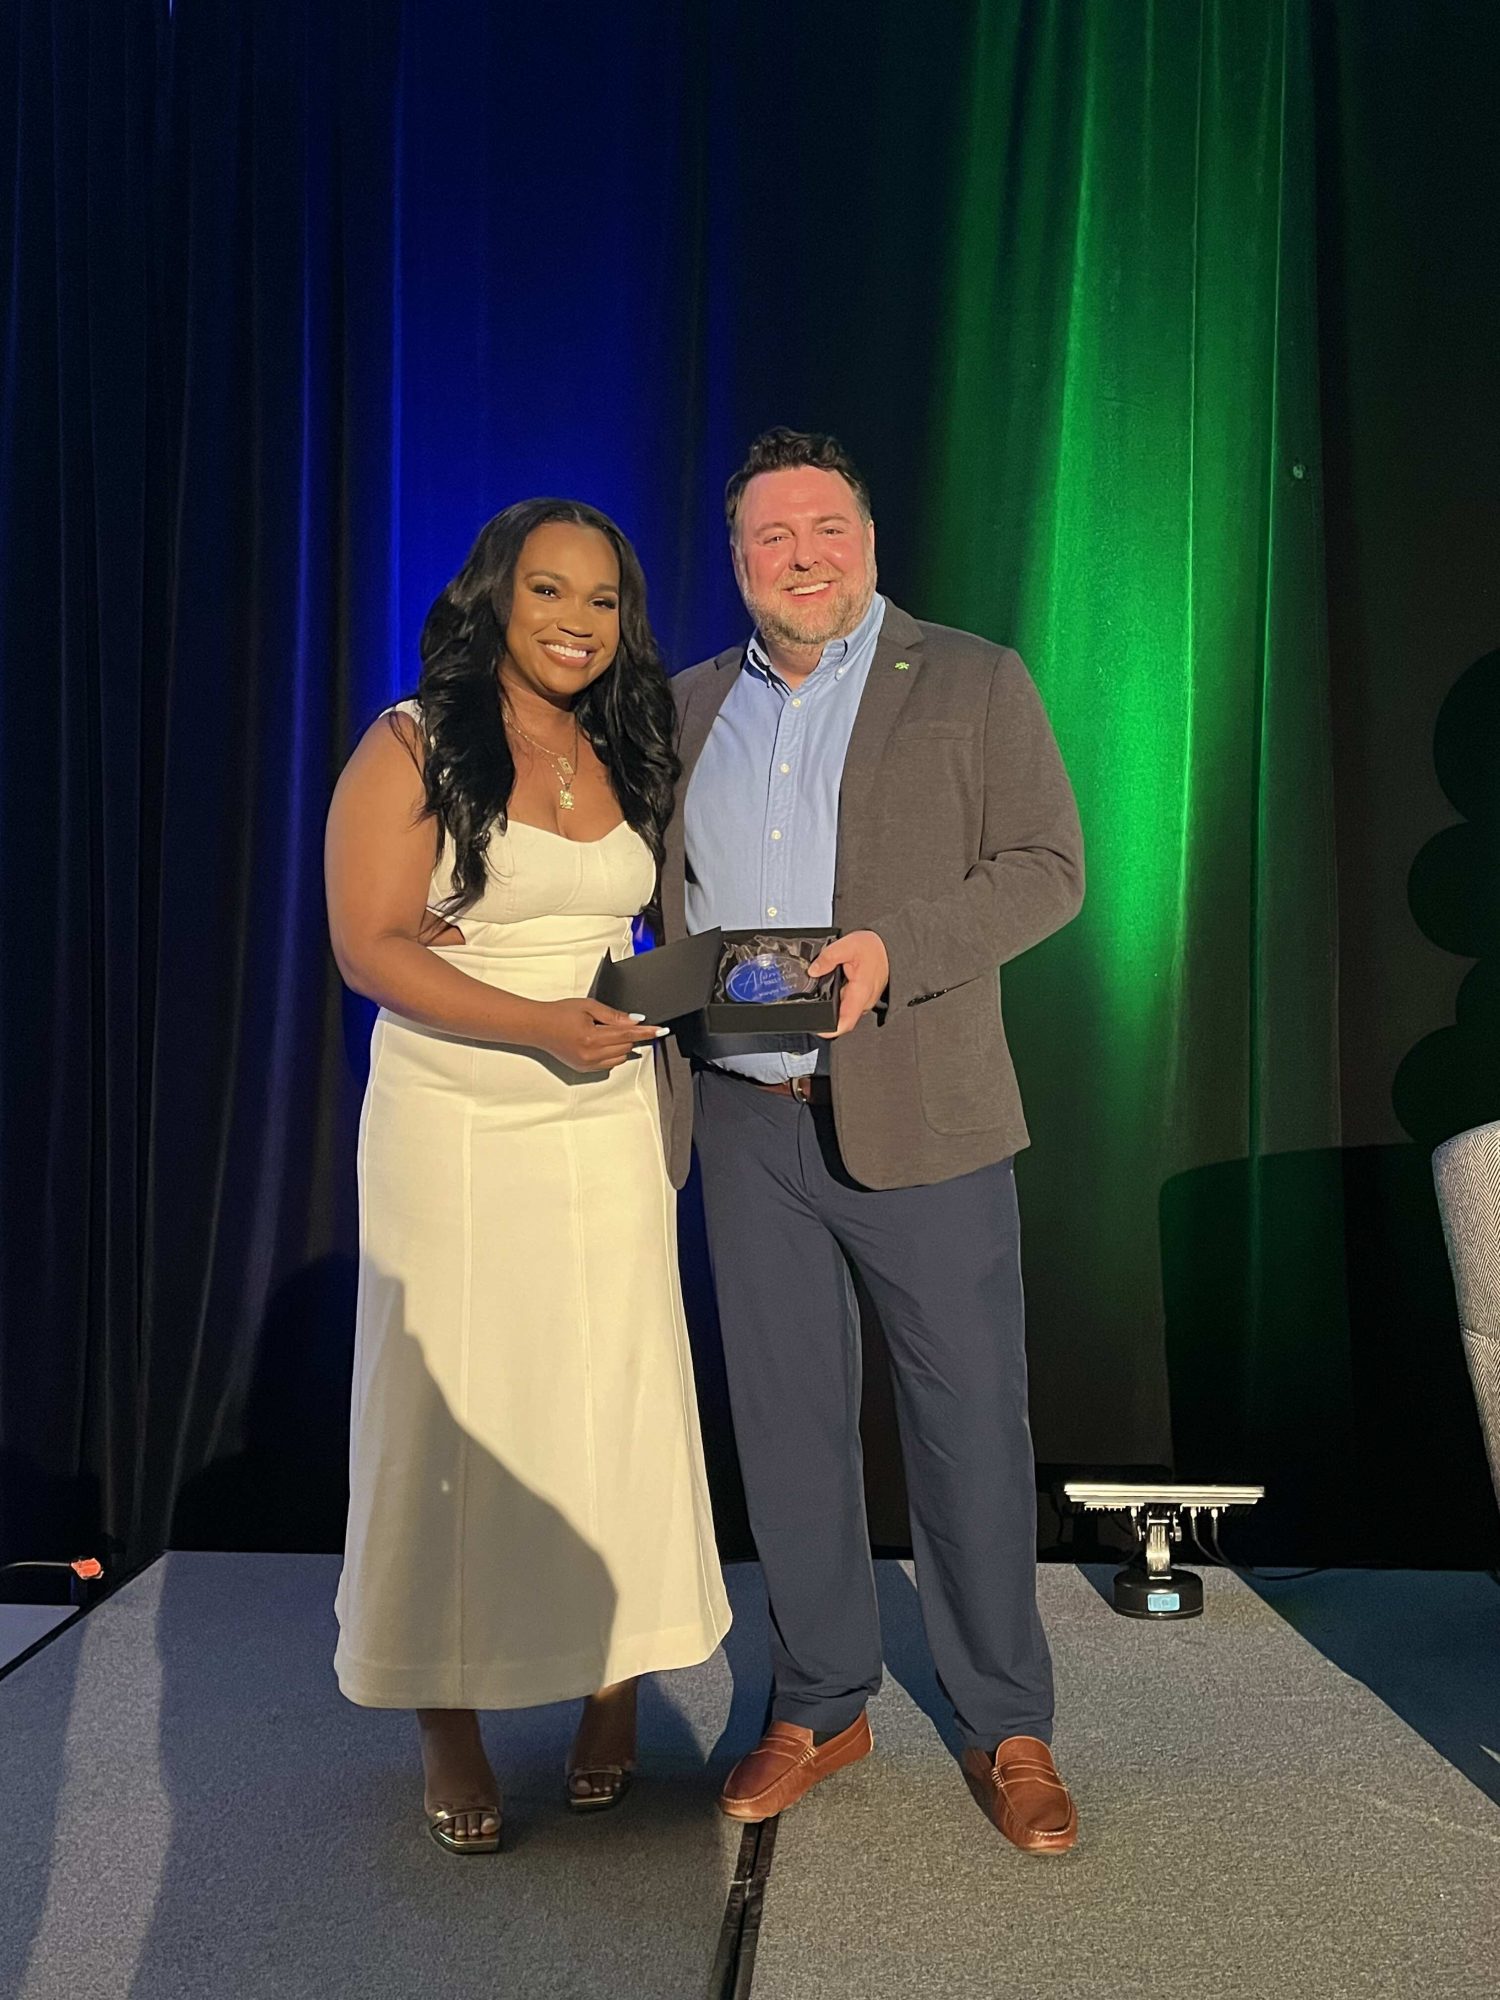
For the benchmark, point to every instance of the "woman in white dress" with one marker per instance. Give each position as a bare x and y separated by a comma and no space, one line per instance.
529,1518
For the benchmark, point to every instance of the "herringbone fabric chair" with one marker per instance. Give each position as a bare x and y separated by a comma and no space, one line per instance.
1467,1173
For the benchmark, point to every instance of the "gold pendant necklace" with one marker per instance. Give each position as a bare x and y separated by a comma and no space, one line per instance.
562,766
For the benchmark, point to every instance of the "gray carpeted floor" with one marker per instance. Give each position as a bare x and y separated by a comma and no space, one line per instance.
1426,1641
191,1808
1254,1824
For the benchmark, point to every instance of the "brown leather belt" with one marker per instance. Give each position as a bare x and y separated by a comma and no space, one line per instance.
806,1089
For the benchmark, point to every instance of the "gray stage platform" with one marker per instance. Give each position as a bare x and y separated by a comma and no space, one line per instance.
22,1625
1254,1823
191,1809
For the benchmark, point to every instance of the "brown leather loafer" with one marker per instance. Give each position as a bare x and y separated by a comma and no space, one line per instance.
786,1764
1023,1796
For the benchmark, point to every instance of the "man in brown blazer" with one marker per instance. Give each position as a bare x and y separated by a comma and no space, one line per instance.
853,767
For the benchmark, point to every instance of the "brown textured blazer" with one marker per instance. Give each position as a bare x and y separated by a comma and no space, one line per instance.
959,843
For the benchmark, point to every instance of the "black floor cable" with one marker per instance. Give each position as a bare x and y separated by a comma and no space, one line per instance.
734,1961
1248,1569
1213,1554
94,1586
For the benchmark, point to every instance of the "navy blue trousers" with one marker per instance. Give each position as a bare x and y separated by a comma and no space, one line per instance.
942,1263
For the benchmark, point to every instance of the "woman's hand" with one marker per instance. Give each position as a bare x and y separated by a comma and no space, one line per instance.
587,1035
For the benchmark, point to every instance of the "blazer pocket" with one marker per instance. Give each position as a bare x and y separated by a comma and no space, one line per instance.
960,1057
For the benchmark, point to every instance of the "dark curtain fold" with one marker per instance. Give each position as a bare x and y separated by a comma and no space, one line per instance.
281,341
299,296
82,494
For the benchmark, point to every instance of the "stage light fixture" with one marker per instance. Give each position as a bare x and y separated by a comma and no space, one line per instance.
1149,1586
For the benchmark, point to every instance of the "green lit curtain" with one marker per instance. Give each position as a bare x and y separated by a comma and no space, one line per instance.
1126,484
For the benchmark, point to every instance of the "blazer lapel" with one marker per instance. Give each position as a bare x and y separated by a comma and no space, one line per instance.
700,712
893,673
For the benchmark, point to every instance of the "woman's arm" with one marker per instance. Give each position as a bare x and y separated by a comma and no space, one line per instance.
378,857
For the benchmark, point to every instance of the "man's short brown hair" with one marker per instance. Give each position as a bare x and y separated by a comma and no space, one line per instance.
782,450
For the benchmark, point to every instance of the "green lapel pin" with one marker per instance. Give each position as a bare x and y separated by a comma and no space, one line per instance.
903,666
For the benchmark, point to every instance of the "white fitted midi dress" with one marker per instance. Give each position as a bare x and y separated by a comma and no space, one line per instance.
529,1517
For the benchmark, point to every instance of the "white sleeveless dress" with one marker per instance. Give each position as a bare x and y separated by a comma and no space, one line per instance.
529,1518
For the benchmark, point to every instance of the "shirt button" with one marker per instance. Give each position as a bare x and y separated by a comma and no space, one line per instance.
796,701
784,769
771,910
775,833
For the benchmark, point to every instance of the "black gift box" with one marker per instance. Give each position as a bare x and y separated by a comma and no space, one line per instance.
668,984
687,983
810,1013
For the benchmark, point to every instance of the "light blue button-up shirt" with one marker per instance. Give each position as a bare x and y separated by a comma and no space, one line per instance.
761,818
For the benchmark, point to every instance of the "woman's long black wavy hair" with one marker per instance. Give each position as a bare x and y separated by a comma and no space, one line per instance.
468,769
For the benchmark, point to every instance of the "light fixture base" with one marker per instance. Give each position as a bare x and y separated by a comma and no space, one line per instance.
1172,1593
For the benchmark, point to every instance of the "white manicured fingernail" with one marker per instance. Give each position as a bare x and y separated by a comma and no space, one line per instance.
637,1017
664,1031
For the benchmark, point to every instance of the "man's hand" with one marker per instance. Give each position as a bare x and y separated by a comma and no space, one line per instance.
867,972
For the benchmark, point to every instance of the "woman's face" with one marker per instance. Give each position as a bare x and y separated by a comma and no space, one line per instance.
564,628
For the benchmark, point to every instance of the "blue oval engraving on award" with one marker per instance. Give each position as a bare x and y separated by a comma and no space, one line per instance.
758,980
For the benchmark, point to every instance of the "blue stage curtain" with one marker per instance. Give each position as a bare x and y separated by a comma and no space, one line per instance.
83,493
300,297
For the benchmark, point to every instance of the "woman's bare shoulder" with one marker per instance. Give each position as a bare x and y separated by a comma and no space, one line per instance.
388,759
